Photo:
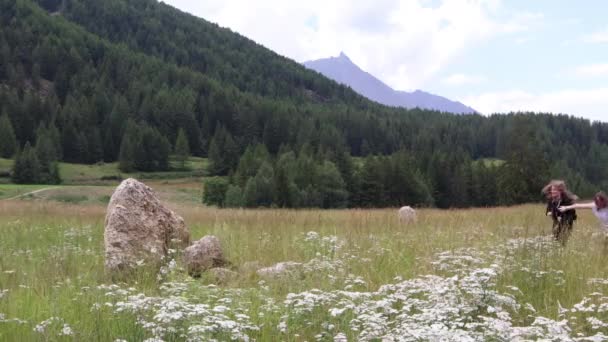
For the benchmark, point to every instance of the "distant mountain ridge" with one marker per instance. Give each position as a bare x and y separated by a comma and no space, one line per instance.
341,69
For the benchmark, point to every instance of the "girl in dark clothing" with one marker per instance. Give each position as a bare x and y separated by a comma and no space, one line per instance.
557,195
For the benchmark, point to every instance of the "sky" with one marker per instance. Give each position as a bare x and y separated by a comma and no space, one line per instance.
496,56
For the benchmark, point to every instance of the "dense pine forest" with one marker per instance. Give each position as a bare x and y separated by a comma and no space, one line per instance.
135,81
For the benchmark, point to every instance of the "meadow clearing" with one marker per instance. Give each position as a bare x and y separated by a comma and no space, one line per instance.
464,275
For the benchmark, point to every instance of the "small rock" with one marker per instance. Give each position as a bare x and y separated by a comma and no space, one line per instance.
280,269
250,267
222,275
204,254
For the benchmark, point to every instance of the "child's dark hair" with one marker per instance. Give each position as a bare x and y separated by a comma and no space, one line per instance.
601,200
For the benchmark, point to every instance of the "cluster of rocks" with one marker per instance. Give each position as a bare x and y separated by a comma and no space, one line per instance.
140,230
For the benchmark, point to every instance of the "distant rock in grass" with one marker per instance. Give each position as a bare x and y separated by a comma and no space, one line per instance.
250,267
139,228
222,275
203,255
407,214
280,269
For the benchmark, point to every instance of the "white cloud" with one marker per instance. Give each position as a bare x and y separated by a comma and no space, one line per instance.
462,79
587,103
406,43
591,70
597,37
522,22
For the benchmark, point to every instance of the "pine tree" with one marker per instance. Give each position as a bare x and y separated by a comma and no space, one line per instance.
223,153
55,137
70,143
82,148
126,159
216,158
260,190
8,140
371,191
47,157
286,189
109,147
331,187
95,147
526,170
26,169
157,149
182,149
128,146
234,197
214,191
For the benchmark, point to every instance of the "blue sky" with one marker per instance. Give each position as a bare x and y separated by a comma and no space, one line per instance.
496,56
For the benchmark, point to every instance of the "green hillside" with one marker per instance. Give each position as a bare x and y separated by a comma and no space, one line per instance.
86,81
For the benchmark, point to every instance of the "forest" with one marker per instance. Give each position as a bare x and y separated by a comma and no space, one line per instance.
88,81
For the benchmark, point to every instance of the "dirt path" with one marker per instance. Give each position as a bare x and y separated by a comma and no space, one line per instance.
29,193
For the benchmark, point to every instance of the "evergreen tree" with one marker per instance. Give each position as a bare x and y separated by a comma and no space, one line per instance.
286,189
95,147
109,147
152,154
71,144
47,156
234,197
55,139
82,149
217,164
8,140
223,153
182,149
371,191
484,183
331,187
250,162
260,191
526,170
26,169
130,140
214,191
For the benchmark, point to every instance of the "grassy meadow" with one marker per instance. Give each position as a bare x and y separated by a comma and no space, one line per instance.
476,274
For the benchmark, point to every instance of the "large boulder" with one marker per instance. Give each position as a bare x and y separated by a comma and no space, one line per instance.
139,229
204,254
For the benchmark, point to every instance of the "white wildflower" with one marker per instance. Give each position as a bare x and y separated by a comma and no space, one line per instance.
66,330
340,337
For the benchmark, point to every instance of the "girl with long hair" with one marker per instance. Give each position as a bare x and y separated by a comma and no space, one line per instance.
557,195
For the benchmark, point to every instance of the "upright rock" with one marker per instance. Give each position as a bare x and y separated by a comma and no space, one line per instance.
139,228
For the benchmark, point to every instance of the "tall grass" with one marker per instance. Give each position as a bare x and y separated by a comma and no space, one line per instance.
51,267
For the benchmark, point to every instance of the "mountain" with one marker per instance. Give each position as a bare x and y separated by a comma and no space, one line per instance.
341,69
